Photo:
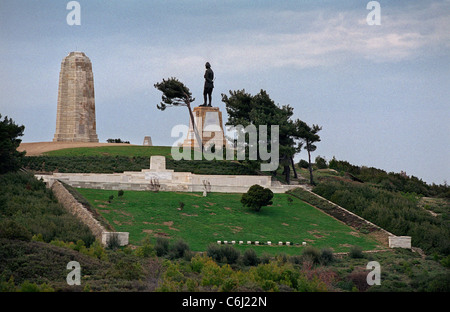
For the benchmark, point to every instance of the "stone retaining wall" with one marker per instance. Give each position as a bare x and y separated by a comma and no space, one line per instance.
78,210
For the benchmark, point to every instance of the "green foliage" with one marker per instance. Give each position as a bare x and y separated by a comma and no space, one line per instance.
303,164
356,252
117,141
146,249
250,258
112,164
175,93
32,287
392,211
257,197
162,246
120,193
394,182
10,158
326,256
223,254
312,254
321,163
28,208
13,230
178,249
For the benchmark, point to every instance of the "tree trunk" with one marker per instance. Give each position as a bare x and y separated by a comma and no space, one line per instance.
311,181
197,136
287,171
293,168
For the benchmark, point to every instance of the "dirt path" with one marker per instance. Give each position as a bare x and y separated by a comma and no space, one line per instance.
38,148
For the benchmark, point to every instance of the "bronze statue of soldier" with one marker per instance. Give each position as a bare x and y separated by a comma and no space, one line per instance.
209,85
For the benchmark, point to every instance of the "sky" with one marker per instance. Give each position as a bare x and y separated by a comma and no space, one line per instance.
380,92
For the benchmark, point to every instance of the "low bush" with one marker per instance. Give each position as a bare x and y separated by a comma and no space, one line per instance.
250,258
178,249
162,246
326,256
224,254
356,252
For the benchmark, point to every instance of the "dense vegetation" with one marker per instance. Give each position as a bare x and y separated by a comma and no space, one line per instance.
397,213
111,164
35,250
27,208
9,142
394,182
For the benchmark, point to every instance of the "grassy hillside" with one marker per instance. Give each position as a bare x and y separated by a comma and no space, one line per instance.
33,264
221,216
129,151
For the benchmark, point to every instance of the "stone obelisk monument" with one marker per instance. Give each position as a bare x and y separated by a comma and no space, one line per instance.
75,119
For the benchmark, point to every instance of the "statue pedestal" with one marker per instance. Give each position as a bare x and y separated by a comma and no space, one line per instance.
208,121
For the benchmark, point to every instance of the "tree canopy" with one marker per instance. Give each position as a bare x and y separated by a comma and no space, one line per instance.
257,197
10,158
246,109
175,93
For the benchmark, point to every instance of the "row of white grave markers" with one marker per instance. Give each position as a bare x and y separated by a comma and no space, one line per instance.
257,243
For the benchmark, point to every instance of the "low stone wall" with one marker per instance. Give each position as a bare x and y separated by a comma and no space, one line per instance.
77,209
127,182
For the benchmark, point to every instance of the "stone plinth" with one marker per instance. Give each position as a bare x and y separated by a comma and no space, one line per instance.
75,119
208,121
400,242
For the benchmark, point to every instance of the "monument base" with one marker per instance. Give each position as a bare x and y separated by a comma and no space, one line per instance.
208,121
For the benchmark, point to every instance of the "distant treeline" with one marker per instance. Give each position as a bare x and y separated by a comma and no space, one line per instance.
117,141
390,181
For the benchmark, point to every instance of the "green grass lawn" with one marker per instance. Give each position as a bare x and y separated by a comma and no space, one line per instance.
129,151
221,216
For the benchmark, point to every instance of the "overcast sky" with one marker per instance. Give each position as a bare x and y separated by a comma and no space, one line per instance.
380,92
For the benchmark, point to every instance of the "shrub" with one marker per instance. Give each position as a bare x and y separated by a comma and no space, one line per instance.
14,230
321,163
224,254
113,242
110,198
250,258
312,254
257,197
359,279
146,250
356,252
161,246
215,252
179,249
326,256
303,164
120,193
